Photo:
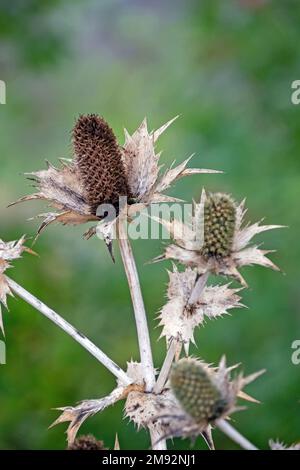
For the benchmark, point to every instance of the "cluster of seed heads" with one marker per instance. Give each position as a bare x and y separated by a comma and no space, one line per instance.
219,223
196,392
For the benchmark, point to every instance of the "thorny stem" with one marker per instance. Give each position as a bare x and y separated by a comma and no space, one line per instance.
141,323
235,435
70,330
173,347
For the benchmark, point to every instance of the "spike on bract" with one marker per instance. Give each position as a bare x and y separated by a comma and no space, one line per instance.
99,160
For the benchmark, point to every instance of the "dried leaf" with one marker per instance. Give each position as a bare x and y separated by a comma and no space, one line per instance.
77,415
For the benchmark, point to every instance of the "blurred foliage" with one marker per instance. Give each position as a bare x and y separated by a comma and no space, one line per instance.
27,37
227,68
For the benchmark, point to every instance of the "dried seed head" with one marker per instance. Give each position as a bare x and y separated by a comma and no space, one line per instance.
99,161
196,392
88,442
219,225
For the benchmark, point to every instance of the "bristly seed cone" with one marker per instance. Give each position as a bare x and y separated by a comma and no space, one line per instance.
219,224
98,158
88,442
196,392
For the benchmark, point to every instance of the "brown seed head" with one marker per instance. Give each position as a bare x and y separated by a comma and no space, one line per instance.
99,161
88,442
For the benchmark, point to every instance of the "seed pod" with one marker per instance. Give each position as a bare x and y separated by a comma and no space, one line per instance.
196,392
88,442
219,224
99,161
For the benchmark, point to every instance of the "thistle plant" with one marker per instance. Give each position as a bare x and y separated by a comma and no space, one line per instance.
184,396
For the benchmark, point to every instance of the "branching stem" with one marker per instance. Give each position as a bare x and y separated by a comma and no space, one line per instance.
70,330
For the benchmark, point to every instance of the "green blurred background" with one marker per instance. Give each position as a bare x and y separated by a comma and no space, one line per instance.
227,69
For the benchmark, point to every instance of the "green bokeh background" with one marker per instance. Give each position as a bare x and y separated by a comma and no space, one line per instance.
227,69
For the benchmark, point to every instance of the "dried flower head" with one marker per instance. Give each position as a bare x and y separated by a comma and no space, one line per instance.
223,248
98,158
204,395
102,171
88,442
219,224
197,392
8,252
183,312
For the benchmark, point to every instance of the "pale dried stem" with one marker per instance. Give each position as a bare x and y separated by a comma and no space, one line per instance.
141,323
70,330
156,439
198,288
138,307
234,435
165,370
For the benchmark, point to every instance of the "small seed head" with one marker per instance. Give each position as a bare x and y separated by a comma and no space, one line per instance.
196,392
88,442
219,224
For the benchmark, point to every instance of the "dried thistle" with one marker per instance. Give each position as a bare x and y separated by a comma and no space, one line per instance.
204,395
98,158
88,442
179,317
101,172
8,252
224,247
197,393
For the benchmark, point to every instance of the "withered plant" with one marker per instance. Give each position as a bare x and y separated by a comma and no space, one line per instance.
184,396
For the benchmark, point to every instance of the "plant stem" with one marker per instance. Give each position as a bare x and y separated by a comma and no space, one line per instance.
138,307
231,432
141,323
156,439
70,330
165,370
198,288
